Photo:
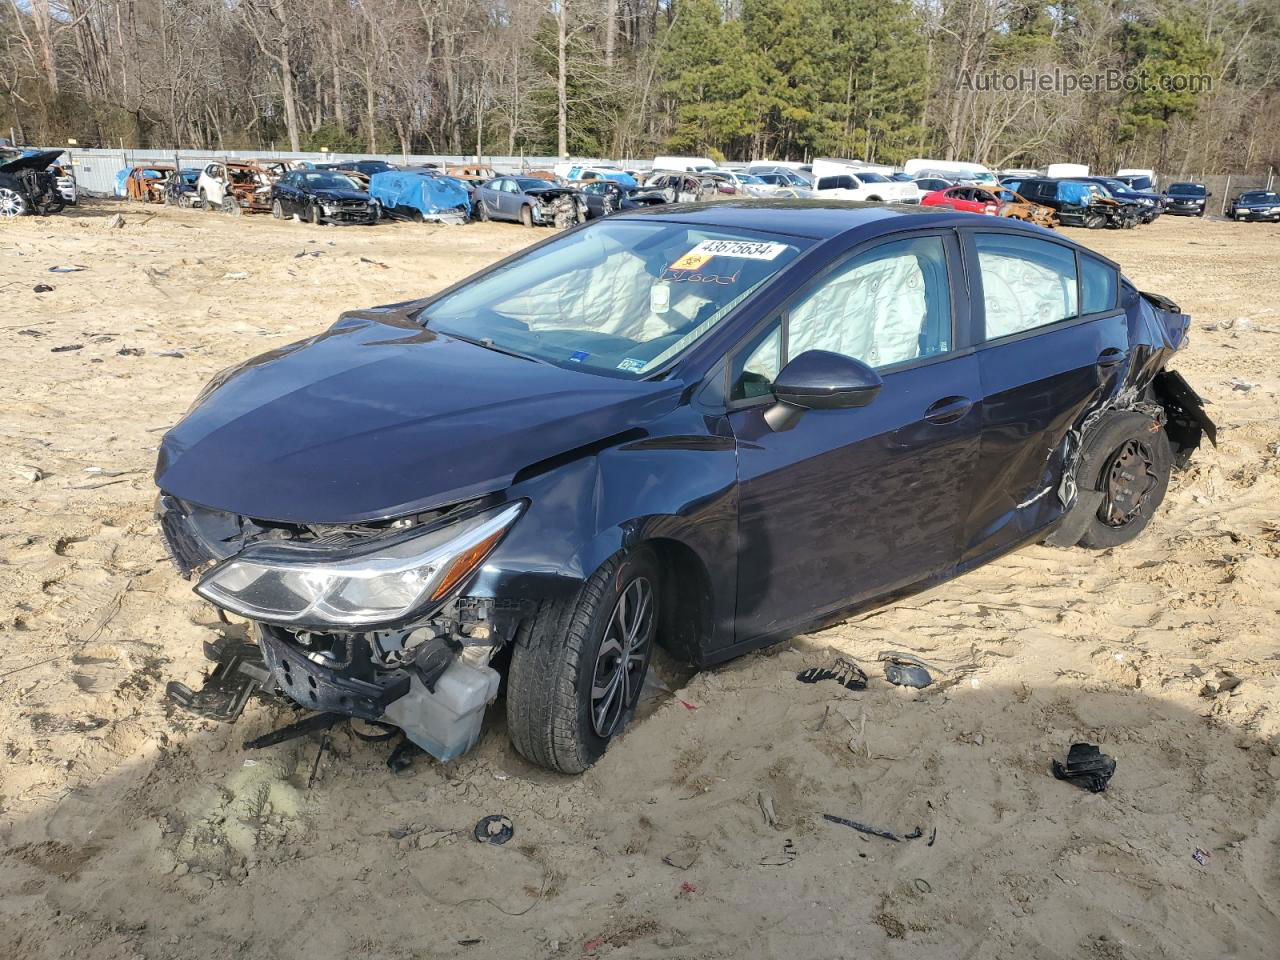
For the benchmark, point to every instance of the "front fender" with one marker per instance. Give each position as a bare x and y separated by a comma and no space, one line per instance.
673,485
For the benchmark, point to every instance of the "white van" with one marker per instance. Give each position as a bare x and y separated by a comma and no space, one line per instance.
1065,171
1138,179
954,170
684,164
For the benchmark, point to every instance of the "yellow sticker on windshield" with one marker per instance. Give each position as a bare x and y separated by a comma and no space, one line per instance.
692,261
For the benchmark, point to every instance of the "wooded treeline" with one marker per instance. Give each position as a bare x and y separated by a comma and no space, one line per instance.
880,80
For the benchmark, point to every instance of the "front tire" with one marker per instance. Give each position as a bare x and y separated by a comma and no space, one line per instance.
577,669
313,215
1095,221
277,210
12,203
526,215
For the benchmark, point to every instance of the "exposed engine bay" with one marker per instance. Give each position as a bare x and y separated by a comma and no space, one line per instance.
28,186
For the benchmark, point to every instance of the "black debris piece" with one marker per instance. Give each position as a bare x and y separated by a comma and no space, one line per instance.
494,829
862,827
905,670
239,672
67,348
1086,767
42,288
319,721
402,755
130,352
844,671
915,834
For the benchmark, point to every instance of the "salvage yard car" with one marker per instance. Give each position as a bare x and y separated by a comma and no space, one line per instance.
529,201
146,183
27,186
321,196
1255,205
1187,199
1079,204
233,187
605,197
704,427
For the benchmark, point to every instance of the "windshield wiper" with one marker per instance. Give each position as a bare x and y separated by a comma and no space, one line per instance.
488,344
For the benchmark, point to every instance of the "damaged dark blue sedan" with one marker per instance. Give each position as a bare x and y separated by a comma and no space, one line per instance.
705,427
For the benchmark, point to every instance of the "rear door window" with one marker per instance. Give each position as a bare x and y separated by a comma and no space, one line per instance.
1026,283
1099,284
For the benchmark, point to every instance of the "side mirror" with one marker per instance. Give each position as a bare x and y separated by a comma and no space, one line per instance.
820,380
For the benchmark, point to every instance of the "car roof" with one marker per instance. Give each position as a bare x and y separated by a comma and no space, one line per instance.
816,219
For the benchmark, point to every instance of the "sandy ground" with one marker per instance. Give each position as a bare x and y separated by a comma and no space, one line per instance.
128,830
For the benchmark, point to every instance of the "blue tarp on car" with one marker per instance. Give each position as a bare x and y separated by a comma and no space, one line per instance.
617,176
433,196
1070,191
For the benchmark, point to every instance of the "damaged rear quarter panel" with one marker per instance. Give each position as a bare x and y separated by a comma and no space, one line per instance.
1021,487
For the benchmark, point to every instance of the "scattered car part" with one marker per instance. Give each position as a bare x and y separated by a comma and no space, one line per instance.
1087,767
905,669
844,671
311,724
496,829
40,288
238,674
788,855
863,828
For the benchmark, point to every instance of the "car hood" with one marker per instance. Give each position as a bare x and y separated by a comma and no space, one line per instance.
34,161
339,195
1256,204
379,417
551,191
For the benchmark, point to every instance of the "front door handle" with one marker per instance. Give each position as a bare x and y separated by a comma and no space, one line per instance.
1111,356
948,409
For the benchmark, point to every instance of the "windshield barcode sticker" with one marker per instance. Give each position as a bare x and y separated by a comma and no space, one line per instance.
741,249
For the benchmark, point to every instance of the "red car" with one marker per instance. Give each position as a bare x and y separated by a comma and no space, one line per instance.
968,199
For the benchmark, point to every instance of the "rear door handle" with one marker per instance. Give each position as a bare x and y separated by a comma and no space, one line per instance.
1111,356
948,409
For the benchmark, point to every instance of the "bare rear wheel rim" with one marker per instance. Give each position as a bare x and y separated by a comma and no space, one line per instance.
1130,479
621,657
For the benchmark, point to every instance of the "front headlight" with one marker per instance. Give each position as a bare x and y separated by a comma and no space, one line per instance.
375,582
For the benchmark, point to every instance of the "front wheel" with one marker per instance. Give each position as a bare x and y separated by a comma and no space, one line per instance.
577,670
313,215
277,210
482,212
12,203
526,215
1095,221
